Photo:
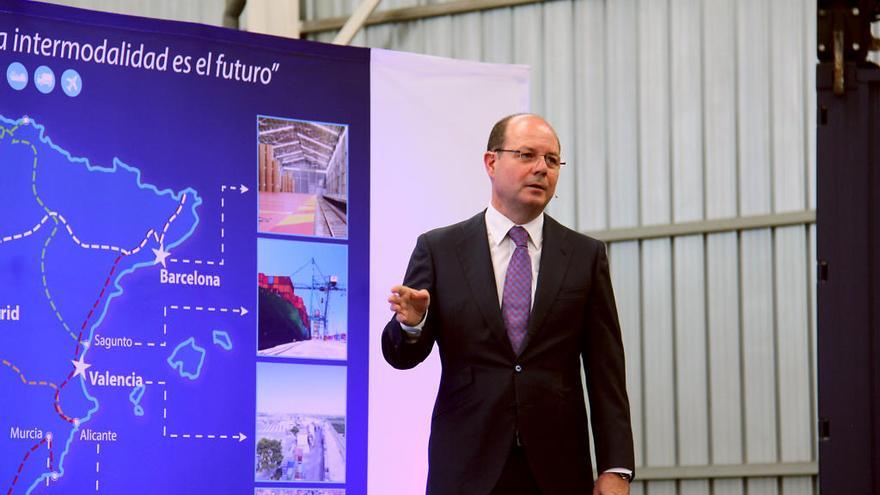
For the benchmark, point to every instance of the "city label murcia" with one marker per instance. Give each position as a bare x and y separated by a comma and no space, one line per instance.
192,278
105,379
10,312
31,434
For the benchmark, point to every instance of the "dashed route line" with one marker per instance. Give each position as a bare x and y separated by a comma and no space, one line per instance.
239,310
222,260
97,467
79,343
59,219
46,284
172,219
24,380
26,233
24,460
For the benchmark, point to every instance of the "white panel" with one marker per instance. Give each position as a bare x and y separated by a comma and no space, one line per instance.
417,96
727,487
381,36
793,344
789,179
753,106
324,9
653,119
527,48
409,37
497,36
762,486
406,37
205,12
719,72
693,487
589,101
660,430
328,36
809,82
558,104
438,36
759,354
637,488
690,352
622,112
686,107
661,488
797,486
625,277
467,37
725,368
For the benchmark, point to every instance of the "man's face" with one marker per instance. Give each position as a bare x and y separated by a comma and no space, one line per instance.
522,190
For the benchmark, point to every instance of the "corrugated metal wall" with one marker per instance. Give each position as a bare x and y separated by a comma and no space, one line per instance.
671,111
201,11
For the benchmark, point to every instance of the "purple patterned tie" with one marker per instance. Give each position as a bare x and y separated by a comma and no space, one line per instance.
517,299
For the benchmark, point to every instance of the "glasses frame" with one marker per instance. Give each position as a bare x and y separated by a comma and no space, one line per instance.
518,153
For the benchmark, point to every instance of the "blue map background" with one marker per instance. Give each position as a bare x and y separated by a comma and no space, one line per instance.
115,161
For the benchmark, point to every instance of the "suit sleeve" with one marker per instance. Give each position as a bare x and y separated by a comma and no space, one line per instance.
605,371
399,352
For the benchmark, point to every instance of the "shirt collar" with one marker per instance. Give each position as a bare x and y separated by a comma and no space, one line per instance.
497,226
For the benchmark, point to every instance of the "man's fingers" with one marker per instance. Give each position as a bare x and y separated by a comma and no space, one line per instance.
400,290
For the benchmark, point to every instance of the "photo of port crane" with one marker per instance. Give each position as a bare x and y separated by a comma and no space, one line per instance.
303,304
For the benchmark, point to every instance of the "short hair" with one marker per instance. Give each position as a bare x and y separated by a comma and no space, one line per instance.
499,131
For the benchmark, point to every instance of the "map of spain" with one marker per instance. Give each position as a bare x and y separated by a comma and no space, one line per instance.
71,232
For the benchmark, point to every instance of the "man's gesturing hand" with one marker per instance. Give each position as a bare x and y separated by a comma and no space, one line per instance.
409,304
611,484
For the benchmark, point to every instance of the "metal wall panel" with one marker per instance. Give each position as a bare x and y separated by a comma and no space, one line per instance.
674,111
668,111
203,11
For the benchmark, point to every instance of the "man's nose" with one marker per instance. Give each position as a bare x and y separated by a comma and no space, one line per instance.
540,165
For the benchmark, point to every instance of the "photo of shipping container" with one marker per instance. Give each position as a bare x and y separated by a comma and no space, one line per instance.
302,177
302,311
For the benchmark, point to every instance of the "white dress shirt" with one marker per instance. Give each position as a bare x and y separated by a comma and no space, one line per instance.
501,248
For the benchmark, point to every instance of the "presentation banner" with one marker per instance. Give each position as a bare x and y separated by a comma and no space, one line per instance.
427,143
184,256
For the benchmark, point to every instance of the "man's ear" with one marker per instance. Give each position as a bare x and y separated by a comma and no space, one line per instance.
489,159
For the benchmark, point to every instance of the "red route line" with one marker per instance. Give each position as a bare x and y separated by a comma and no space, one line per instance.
79,341
24,460
70,375
67,380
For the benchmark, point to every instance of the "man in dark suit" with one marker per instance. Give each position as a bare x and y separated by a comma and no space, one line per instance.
514,300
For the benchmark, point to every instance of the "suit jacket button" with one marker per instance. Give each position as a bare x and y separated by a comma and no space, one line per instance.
517,368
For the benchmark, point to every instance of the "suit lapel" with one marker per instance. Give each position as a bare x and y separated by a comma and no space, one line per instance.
555,252
476,261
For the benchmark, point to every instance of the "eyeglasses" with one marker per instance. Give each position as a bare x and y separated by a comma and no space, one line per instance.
530,157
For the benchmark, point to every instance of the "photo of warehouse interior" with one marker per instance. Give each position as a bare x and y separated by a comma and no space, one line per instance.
302,174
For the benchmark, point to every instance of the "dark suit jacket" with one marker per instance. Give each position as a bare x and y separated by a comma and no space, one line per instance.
487,393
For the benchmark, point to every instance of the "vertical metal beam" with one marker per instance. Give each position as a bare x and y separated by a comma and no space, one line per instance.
355,22
276,17
232,13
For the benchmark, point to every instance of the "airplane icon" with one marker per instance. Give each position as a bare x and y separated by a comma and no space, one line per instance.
72,83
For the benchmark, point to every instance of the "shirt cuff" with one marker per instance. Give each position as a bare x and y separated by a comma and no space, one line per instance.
412,333
625,471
